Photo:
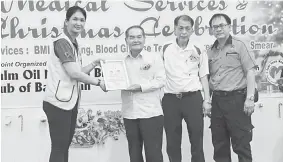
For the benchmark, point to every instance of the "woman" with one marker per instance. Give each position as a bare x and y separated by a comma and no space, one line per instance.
62,94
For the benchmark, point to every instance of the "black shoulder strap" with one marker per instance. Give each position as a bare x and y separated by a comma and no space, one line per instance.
164,48
198,50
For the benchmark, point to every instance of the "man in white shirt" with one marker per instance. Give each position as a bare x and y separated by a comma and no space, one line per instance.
186,69
141,102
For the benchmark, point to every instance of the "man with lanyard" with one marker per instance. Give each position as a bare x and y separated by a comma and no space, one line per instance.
186,75
232,81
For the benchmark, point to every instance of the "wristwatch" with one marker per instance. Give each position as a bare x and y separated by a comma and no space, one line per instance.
250,98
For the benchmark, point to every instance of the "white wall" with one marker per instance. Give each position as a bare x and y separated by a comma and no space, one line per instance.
33,143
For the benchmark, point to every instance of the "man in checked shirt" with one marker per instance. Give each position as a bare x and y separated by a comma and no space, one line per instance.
141,107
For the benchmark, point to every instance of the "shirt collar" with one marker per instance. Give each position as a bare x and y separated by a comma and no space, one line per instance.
179,48
138,56
228,41
69,36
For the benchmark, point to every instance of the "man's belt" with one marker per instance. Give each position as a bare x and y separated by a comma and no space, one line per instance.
181,94
230,93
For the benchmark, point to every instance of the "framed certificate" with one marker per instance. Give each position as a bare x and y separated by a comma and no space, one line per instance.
115,74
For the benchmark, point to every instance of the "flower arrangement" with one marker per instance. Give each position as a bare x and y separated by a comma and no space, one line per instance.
95,129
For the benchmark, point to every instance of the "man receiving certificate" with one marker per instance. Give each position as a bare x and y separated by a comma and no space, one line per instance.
141,101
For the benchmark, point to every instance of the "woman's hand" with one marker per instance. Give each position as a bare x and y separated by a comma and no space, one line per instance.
97,62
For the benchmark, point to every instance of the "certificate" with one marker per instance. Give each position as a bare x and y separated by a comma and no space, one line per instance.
115,74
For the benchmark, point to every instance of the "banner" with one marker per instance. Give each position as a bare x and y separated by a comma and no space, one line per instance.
28,28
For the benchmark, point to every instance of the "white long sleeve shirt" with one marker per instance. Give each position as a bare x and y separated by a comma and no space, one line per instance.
145,104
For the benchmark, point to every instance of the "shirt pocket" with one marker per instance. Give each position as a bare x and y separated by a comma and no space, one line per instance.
147,74
64,91
192,66
232,60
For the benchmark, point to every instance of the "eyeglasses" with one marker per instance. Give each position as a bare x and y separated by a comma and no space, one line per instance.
215,27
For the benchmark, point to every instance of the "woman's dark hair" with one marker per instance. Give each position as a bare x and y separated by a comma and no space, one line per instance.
73,10
226,17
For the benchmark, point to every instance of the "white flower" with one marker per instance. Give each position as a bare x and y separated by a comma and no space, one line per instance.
145,66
